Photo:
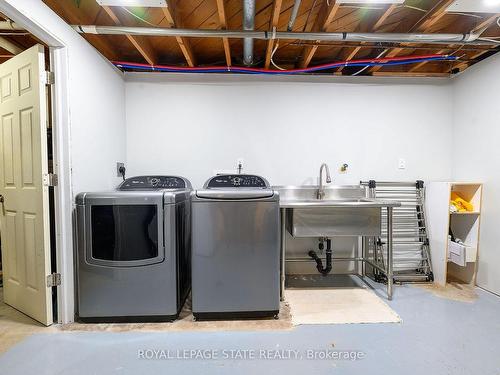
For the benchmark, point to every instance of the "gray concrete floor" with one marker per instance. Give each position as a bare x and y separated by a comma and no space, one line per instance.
437,336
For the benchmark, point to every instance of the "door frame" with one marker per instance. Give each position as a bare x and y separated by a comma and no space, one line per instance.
61,159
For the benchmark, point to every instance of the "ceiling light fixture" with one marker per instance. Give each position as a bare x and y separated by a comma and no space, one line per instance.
370,1
133,3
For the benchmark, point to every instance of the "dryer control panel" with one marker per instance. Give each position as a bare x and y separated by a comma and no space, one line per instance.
152,183
236,181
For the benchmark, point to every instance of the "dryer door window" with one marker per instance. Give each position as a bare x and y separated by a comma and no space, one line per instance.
124,233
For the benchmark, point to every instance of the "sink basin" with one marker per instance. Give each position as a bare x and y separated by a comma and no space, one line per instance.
335,196
344,211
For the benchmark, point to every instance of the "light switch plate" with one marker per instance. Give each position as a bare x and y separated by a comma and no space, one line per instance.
401,163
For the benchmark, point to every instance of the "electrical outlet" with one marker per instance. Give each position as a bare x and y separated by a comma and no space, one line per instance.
401,163
118,166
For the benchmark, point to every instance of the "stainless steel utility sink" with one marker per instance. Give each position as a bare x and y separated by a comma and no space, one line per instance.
343,211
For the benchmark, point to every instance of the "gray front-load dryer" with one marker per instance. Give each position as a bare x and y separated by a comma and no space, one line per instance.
133,250
235,248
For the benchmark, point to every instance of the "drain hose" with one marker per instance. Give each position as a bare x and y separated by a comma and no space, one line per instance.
319,264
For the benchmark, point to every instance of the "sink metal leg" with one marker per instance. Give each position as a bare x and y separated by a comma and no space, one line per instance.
389,253
283,247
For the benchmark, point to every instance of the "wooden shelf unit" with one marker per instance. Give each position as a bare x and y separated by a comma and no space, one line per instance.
463,225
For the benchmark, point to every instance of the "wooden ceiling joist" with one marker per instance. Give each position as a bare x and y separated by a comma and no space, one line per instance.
384,17
482,26
378,24
275,15
314,16
10,46
465,64
423,63
486,23
325,17
423,25
140,43
221,10
183,43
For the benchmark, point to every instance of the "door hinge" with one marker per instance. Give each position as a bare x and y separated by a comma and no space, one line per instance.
50,179
49,78
53,280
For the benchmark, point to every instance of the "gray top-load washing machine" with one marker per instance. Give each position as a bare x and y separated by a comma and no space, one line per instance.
133,250
235,248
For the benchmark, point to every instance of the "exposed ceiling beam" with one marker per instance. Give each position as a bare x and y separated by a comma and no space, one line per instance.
431,17
480,27
324,18
183,43
274,23
423,25
71,13
421,64
486,23
140,43
465,64
221,10
384,17
375,27
10,46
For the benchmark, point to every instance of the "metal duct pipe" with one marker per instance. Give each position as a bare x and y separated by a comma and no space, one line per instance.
265,35
248,25
293,16
8,25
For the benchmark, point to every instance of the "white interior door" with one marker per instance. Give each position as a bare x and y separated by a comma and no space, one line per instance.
24,217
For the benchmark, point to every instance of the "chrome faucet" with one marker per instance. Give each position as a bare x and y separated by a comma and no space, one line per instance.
321,190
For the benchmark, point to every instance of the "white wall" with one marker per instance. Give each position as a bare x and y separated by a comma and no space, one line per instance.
476,155
285,128
96,102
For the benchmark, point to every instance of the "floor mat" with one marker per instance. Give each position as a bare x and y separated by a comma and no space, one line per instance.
342,301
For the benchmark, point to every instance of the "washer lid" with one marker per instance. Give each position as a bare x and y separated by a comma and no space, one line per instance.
235,194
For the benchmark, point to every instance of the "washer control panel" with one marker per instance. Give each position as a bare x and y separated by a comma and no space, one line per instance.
152,182
236,181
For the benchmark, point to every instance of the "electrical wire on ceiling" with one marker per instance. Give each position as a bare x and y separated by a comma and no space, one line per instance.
392,61
272,55
412,7
491,40
361,7
366,67
139,17
465,14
